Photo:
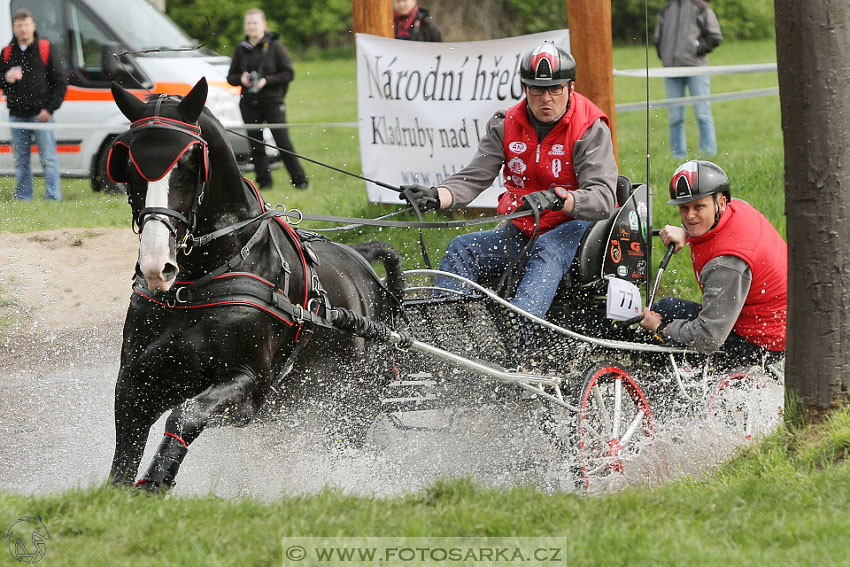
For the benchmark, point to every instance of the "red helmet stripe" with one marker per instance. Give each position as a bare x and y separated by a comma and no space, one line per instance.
684,180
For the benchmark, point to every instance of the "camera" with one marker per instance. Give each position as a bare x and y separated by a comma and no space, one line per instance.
254,78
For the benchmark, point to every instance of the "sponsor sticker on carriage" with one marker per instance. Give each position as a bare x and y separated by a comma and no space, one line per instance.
616,252
633,220
623,300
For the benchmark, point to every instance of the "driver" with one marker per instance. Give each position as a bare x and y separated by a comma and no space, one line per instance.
740,262
555,151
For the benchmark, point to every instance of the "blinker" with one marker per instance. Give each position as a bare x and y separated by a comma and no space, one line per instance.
153,146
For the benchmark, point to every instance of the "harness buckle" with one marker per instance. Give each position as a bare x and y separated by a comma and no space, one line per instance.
298,313
244,252
177,295
313,302
188,243
291,220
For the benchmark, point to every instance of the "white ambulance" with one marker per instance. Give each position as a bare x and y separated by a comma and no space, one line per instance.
155,56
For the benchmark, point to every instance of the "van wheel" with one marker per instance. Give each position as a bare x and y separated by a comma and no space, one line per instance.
100,180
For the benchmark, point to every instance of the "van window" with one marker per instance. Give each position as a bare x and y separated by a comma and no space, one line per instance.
147,29
84,45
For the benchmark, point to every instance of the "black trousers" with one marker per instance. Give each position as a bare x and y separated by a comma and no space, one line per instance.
271,112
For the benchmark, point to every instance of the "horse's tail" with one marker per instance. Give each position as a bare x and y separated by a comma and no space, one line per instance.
384,252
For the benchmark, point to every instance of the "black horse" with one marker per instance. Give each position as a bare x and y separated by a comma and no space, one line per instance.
226,293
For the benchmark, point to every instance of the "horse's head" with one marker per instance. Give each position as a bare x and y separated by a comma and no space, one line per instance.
163,159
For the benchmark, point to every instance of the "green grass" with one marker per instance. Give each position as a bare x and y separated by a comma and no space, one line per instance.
781,502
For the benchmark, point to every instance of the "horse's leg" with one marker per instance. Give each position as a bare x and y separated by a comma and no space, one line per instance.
135,413
237,397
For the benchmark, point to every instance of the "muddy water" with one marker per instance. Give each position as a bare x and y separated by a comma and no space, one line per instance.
57,433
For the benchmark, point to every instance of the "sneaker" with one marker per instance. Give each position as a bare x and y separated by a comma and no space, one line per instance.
301,184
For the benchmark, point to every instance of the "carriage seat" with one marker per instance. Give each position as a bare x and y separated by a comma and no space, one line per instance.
588,262
623,190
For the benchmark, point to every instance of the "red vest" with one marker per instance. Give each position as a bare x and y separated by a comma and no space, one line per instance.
530,166
745,233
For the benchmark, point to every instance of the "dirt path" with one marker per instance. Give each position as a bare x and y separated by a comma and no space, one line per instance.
66,284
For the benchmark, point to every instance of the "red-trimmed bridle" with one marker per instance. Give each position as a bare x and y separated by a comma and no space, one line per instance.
167,215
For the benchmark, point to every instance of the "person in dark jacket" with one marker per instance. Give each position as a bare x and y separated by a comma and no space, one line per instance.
413,22
687,31
263,68
34,91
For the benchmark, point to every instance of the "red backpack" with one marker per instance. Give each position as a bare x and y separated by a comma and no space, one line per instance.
43,50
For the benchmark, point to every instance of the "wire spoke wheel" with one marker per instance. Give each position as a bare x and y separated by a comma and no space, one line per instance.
614,420
746,403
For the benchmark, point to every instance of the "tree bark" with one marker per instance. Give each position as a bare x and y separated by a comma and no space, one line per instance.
813,50
373,17
589,22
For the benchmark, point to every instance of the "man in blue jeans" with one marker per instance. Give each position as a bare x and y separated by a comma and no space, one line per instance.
34,84
555,152
686,31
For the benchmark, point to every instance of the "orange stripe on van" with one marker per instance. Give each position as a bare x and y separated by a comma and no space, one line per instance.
79,94
60,148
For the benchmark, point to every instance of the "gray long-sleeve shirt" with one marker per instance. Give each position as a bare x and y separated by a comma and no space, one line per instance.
726,283
685,32
593,163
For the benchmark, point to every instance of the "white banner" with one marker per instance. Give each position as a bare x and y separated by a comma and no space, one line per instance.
422,107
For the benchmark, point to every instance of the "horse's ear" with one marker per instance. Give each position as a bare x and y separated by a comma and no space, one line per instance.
193,103
130,105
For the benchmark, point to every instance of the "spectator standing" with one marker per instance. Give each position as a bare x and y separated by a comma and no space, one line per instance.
686,31
34,83
262,67
414,23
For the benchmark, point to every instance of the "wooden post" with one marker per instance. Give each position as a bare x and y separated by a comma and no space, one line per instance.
373,16
589,22
811,39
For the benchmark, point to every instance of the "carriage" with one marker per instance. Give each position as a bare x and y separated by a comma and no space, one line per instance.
232,304
603,385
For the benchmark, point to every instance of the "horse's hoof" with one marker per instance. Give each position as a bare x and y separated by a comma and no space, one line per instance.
150,486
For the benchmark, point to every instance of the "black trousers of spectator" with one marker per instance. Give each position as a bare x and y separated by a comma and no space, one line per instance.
270,112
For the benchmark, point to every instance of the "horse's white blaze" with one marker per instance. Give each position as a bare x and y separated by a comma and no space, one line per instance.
154,249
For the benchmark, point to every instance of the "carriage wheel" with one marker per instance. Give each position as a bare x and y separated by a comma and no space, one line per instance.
611,426
746,403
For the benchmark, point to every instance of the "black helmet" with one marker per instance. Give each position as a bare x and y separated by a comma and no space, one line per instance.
695,179
547,65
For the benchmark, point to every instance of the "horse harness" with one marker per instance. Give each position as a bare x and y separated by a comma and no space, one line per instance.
222,285
225,285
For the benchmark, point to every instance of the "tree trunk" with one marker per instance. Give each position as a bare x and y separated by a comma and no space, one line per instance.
813,50
589,22
373,17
